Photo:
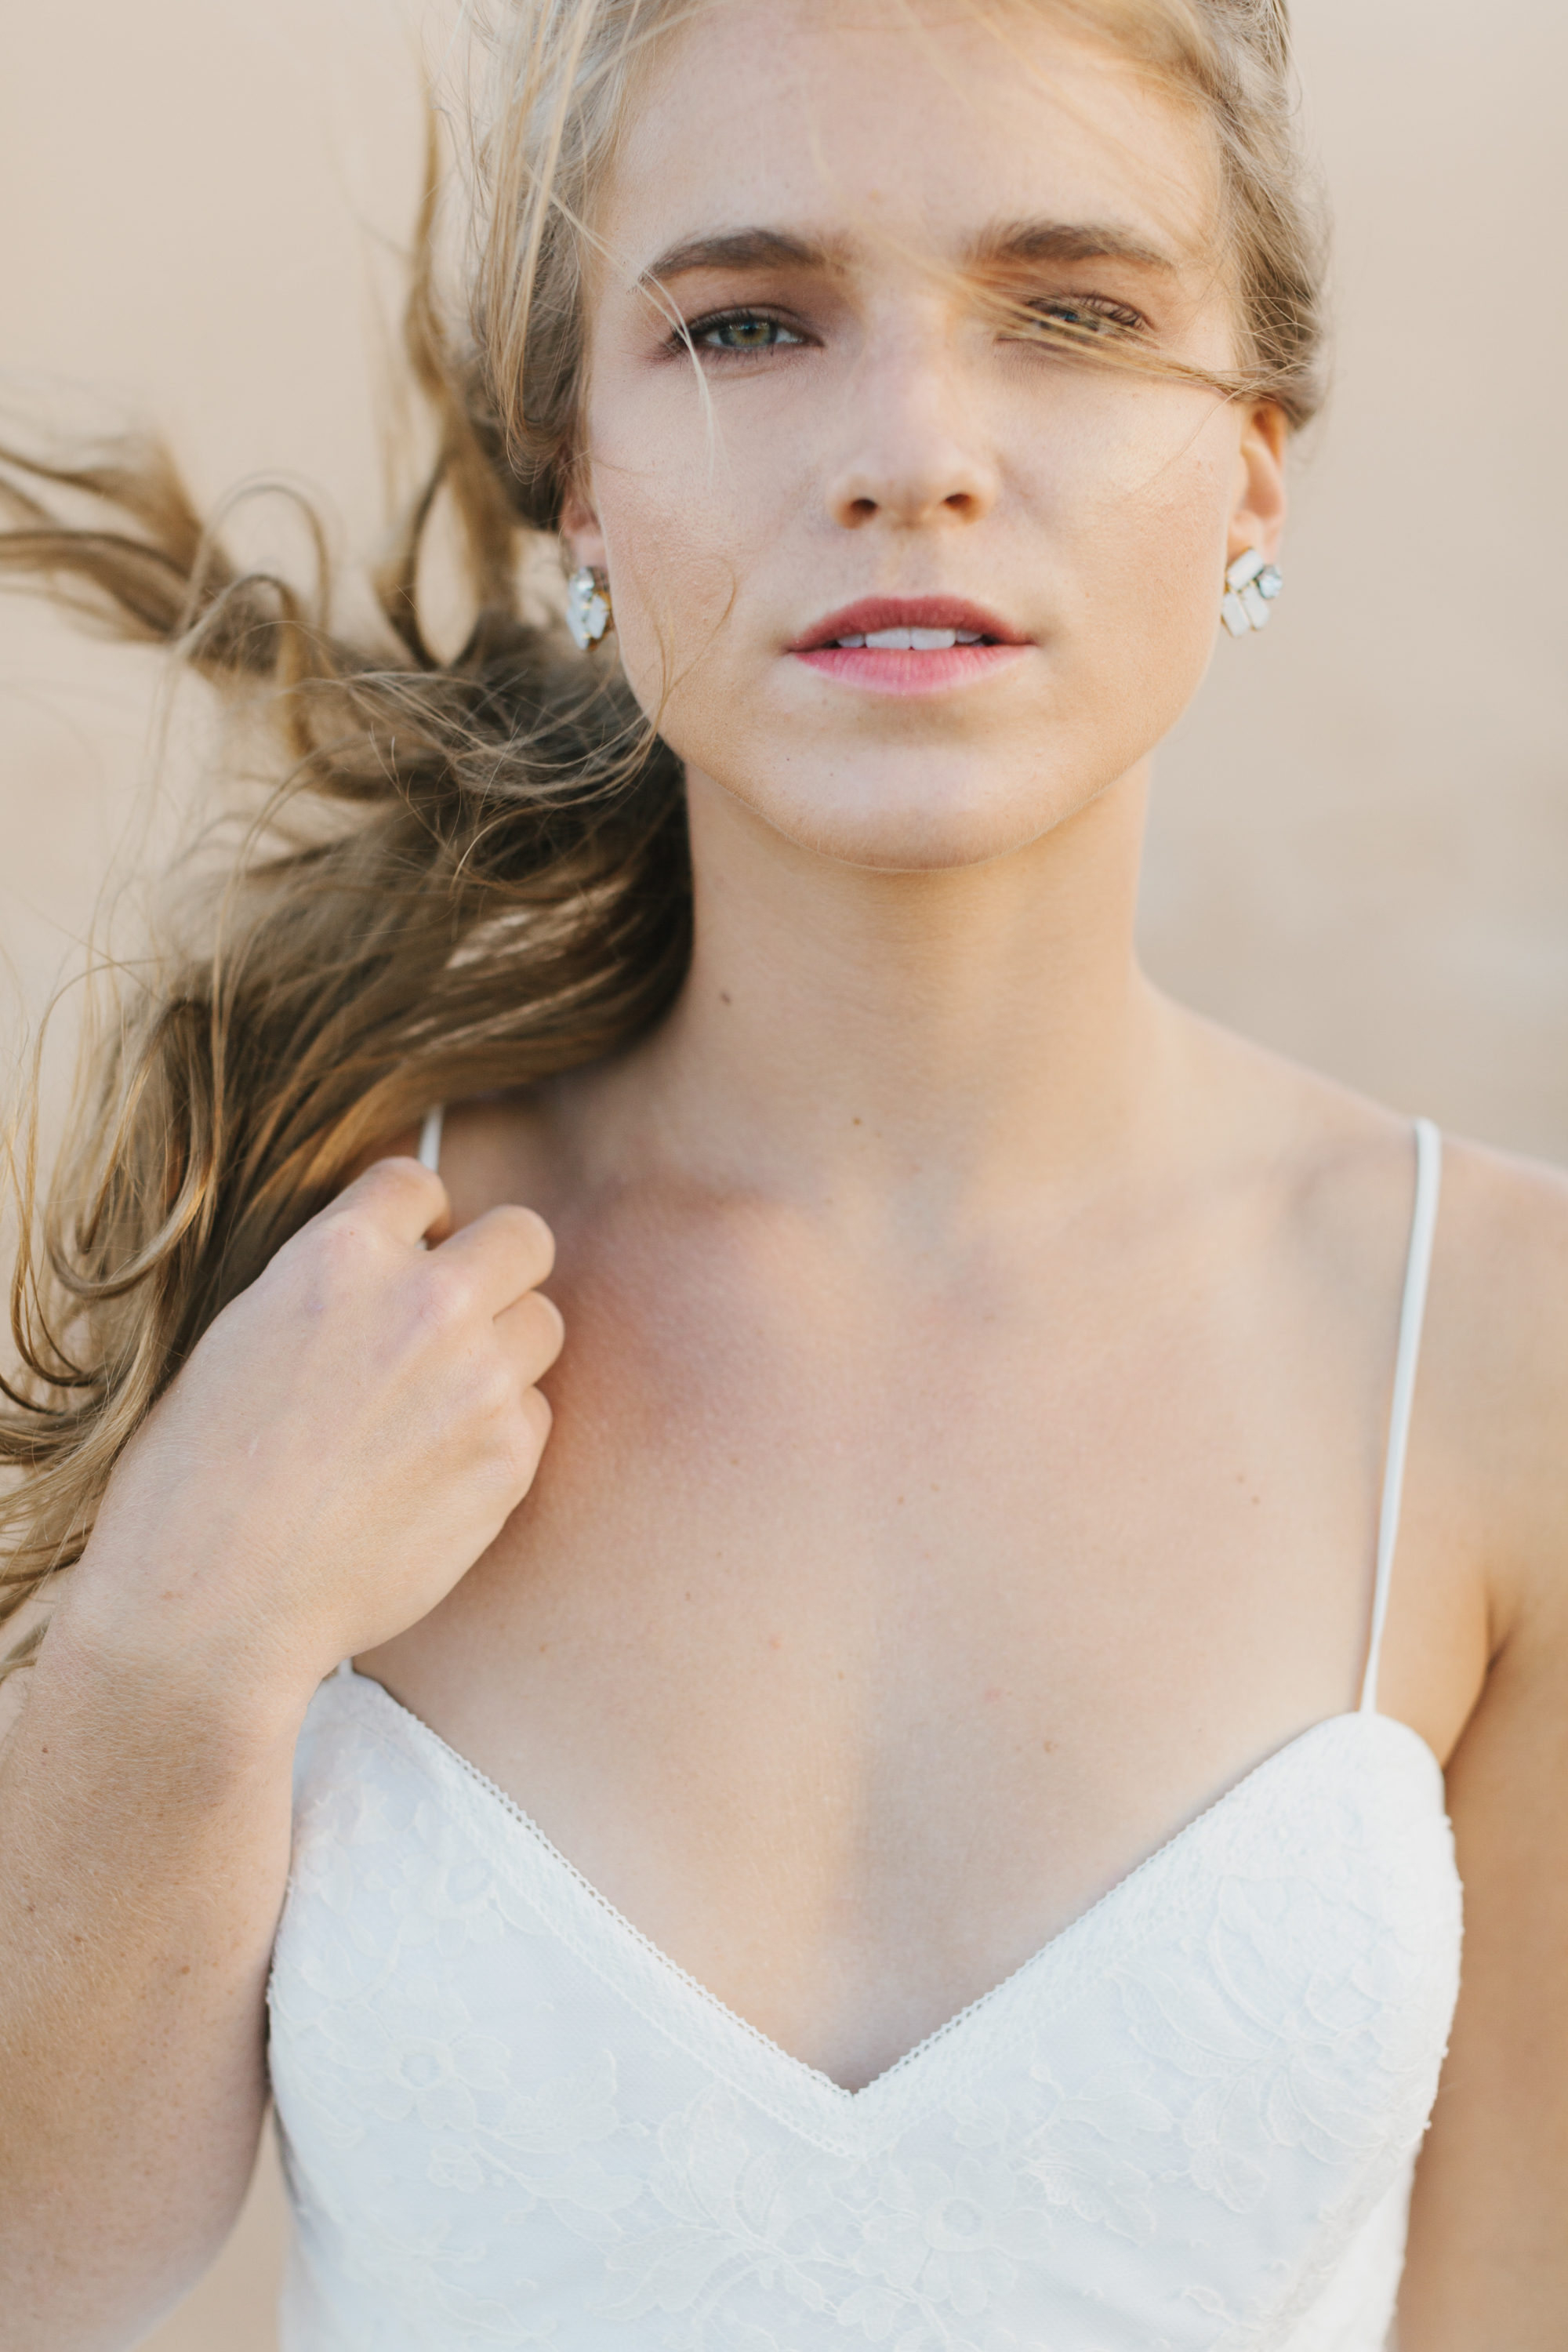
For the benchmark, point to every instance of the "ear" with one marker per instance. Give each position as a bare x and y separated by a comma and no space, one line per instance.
580,531
1257,515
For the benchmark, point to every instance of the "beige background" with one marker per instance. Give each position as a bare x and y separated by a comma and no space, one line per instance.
1360,847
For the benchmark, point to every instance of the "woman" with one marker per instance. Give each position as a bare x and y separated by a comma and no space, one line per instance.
947,1610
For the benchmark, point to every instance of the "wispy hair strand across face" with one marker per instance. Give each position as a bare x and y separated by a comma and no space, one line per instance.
463,874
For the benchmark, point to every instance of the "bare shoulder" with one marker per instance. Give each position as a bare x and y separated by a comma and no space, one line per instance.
1503,1247
1500,1275
1499,1296
1490,1461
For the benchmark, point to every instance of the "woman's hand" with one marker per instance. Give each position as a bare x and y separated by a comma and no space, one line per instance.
348,1437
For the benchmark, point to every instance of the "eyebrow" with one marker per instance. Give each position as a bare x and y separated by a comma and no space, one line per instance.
1045,240
745,249
1010,242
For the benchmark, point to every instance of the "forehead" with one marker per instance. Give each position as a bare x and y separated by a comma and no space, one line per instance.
924,119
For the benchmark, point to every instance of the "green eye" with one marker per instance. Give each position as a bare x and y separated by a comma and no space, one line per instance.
741,330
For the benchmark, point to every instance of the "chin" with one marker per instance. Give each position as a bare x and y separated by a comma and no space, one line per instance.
913,825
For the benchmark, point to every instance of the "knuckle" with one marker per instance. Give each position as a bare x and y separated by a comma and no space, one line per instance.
399,1182
398,1172
493,1393
340,1234
535,1313
447,1296
527,1428
530,1236
331,1254
516,1463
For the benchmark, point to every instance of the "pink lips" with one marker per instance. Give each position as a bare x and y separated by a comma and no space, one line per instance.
887,670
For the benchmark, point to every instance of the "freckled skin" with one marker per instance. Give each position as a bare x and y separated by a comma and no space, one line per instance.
947,1187
925,1276
1094,513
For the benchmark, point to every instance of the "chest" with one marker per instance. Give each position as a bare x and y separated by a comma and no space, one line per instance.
858,1634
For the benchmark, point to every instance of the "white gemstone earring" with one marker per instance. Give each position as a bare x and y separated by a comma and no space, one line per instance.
1250,587
588,613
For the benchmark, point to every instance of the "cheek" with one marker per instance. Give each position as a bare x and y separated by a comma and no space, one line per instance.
686,534
1137,520
676,588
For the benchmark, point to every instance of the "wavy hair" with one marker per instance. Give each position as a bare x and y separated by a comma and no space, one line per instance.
462,873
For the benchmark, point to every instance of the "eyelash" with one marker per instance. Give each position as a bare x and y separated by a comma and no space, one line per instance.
1086,313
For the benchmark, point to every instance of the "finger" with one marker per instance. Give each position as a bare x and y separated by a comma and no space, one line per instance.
500,1256
532,1334
536,1407
403,1198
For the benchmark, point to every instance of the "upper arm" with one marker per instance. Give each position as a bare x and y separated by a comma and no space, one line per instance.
1488,2246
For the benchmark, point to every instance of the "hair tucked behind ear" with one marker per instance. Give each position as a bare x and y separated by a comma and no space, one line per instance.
465,874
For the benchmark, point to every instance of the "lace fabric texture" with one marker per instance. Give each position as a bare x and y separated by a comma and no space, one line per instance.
1185,2126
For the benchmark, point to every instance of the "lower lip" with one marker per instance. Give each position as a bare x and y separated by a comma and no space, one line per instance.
910,673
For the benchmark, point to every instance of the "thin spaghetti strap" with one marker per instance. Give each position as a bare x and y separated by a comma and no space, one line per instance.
430,1138
1412,1314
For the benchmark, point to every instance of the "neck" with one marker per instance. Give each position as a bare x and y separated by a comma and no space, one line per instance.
932,1041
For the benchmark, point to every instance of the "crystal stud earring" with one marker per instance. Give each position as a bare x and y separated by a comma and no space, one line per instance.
1250,587
587,607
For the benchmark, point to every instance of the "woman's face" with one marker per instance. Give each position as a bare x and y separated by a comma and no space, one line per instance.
829,200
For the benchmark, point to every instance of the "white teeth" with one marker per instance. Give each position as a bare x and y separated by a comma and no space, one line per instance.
913,641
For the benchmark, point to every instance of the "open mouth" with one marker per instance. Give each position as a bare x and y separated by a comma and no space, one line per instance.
909,645
914,641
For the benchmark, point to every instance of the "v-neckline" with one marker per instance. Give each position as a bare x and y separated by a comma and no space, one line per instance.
798,2094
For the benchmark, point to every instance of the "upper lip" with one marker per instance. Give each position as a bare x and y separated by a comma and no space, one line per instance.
870,613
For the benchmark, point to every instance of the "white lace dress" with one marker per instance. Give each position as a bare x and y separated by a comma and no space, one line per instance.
1186,2124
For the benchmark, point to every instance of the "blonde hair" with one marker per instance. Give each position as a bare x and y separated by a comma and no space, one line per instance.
466,874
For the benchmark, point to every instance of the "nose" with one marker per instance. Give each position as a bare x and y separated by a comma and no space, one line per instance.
913,453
